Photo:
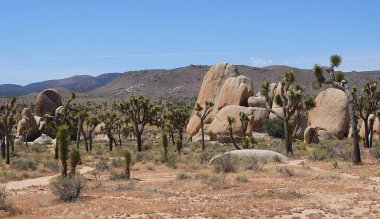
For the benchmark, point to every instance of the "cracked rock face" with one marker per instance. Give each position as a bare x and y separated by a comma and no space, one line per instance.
210,91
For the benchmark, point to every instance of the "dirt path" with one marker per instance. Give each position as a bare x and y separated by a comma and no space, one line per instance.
41,181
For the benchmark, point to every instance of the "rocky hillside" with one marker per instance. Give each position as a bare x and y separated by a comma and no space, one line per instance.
176,83
186,81
78,83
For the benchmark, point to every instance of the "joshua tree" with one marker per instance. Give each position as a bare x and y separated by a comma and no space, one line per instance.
202,114
140,112
178,119
178,144
368,101
109,120
119,128
7,117
63,140
82,114
165,144
74,160
244,119
290,100
127,156
231,121
336,79
64,117
92,122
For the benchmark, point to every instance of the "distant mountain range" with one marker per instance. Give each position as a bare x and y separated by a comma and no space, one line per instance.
183,82
79,83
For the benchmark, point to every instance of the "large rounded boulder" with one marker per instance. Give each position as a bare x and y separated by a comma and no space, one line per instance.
28,125
235,91
219,126
209,91
376,127
257,101
47,102
331,113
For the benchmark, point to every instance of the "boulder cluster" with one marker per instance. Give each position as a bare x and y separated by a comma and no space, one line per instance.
32,127
233,93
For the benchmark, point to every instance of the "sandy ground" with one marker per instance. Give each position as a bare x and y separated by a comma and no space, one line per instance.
316,190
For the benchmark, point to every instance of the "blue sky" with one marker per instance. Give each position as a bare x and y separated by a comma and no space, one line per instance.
45,39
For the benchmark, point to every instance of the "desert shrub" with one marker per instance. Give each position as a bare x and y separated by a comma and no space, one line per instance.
334,163
156,191
183,176
321,153
52,165
285,171
284,193
225,164
66,188
22,163
145,156
202,176
126,187
172,161
5,204
242,179
375,152
275,128
115,175
327,176
149,166
251,164
117,162
214,181
102,165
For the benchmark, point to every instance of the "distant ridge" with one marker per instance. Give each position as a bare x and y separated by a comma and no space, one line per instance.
79,83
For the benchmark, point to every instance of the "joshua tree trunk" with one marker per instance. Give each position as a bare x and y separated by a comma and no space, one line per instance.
90,139
7,146
139,141
56,151
78,134
180,133
119,138
203,136
233,139
356,159
366,133
3,147
110,138
288,138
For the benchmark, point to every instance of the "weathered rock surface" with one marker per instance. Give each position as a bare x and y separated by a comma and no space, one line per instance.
219,125
266,155
257,102
324,135
28,125
47,102
235,91
209,91
310,135
331,113
43,140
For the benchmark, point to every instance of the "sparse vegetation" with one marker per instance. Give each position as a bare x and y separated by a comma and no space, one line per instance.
67,189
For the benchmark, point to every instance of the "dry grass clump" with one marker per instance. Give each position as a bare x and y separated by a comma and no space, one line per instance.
183,176
225,164
67,189
5,204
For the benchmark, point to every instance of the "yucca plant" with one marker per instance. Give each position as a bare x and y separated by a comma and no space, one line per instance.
74,160
63,140
128,157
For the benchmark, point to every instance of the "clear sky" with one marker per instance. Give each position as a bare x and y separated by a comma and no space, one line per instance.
51,39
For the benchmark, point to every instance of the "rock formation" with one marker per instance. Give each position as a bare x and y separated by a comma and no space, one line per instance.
331,113
47,102
235,91
209,91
